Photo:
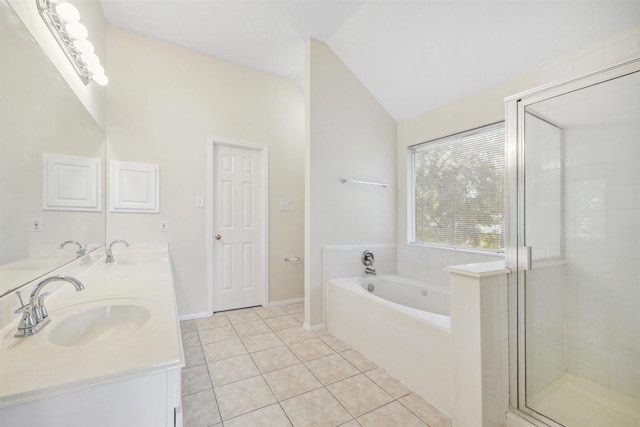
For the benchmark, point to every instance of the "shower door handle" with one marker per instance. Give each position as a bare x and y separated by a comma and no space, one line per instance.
525,256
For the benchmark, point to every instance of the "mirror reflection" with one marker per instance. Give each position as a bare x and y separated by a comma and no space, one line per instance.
49,215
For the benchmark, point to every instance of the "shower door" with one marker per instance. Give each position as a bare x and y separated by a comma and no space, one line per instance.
575,155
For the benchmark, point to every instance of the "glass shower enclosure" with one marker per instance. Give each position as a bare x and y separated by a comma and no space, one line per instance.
573,184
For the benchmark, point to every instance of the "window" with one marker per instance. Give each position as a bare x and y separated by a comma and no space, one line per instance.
458,184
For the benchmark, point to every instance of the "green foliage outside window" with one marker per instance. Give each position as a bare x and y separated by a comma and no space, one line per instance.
459,190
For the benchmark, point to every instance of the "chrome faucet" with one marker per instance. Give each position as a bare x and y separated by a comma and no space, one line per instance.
110,253
80,250
35,313
367,259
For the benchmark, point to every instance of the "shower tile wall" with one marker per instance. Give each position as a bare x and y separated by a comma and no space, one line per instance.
418,262
495,354
546,358
587,319
427,263
344,261
603,243
584,323
621,47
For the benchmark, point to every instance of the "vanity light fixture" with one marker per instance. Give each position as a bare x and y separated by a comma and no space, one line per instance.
63,20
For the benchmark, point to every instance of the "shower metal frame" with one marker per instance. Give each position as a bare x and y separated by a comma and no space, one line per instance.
516,255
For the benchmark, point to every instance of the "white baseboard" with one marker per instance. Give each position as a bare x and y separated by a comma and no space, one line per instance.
192,316
285,302
314,328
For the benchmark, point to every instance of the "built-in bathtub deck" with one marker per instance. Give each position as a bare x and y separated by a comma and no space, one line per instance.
411,344
260,367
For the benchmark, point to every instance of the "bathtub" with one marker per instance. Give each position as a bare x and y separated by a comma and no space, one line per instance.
401,324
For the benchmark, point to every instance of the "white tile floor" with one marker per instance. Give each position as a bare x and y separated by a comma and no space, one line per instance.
259,367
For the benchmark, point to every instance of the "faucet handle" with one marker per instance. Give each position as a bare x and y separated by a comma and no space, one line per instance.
27,324
28,320
23,306
42,309
39,310
367,258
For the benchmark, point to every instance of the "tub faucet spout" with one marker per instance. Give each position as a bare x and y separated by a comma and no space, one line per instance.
370,271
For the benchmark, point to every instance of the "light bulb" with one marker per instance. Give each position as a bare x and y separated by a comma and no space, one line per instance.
95,69
67,12
90,59
76,30
83,46
101,79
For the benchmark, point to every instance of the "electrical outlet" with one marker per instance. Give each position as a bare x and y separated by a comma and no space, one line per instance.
284,206
163,225
36,224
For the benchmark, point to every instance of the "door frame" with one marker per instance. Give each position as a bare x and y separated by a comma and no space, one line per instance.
515,252
263,149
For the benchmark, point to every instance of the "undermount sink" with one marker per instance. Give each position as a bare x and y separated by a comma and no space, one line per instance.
98,324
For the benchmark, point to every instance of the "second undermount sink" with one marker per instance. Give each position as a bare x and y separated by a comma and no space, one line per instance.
97,324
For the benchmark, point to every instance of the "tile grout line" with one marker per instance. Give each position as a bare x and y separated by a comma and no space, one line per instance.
215,398
287,345
254,376
389,403
409,409
285,413
188,367
301,362
260,373
326,388
340,403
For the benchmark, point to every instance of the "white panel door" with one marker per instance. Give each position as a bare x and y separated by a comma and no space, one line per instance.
239,229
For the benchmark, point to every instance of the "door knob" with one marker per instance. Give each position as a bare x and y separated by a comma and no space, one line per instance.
218,237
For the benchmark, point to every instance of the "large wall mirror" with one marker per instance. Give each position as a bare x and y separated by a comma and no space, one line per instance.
52,156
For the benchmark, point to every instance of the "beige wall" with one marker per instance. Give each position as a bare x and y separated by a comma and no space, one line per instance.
349,135
163,102
482,108
91,15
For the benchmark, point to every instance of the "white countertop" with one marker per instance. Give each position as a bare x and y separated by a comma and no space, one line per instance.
33,367
480,269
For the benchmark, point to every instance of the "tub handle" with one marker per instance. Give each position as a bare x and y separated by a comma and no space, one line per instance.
367,258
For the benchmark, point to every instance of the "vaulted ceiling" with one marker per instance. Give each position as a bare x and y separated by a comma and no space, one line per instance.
412,56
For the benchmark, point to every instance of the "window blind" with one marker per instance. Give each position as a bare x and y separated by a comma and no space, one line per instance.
459,189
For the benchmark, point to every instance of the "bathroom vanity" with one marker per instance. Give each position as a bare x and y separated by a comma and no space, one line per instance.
111,354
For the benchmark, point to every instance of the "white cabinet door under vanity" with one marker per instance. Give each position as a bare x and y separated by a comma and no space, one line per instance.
150,400
111,355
